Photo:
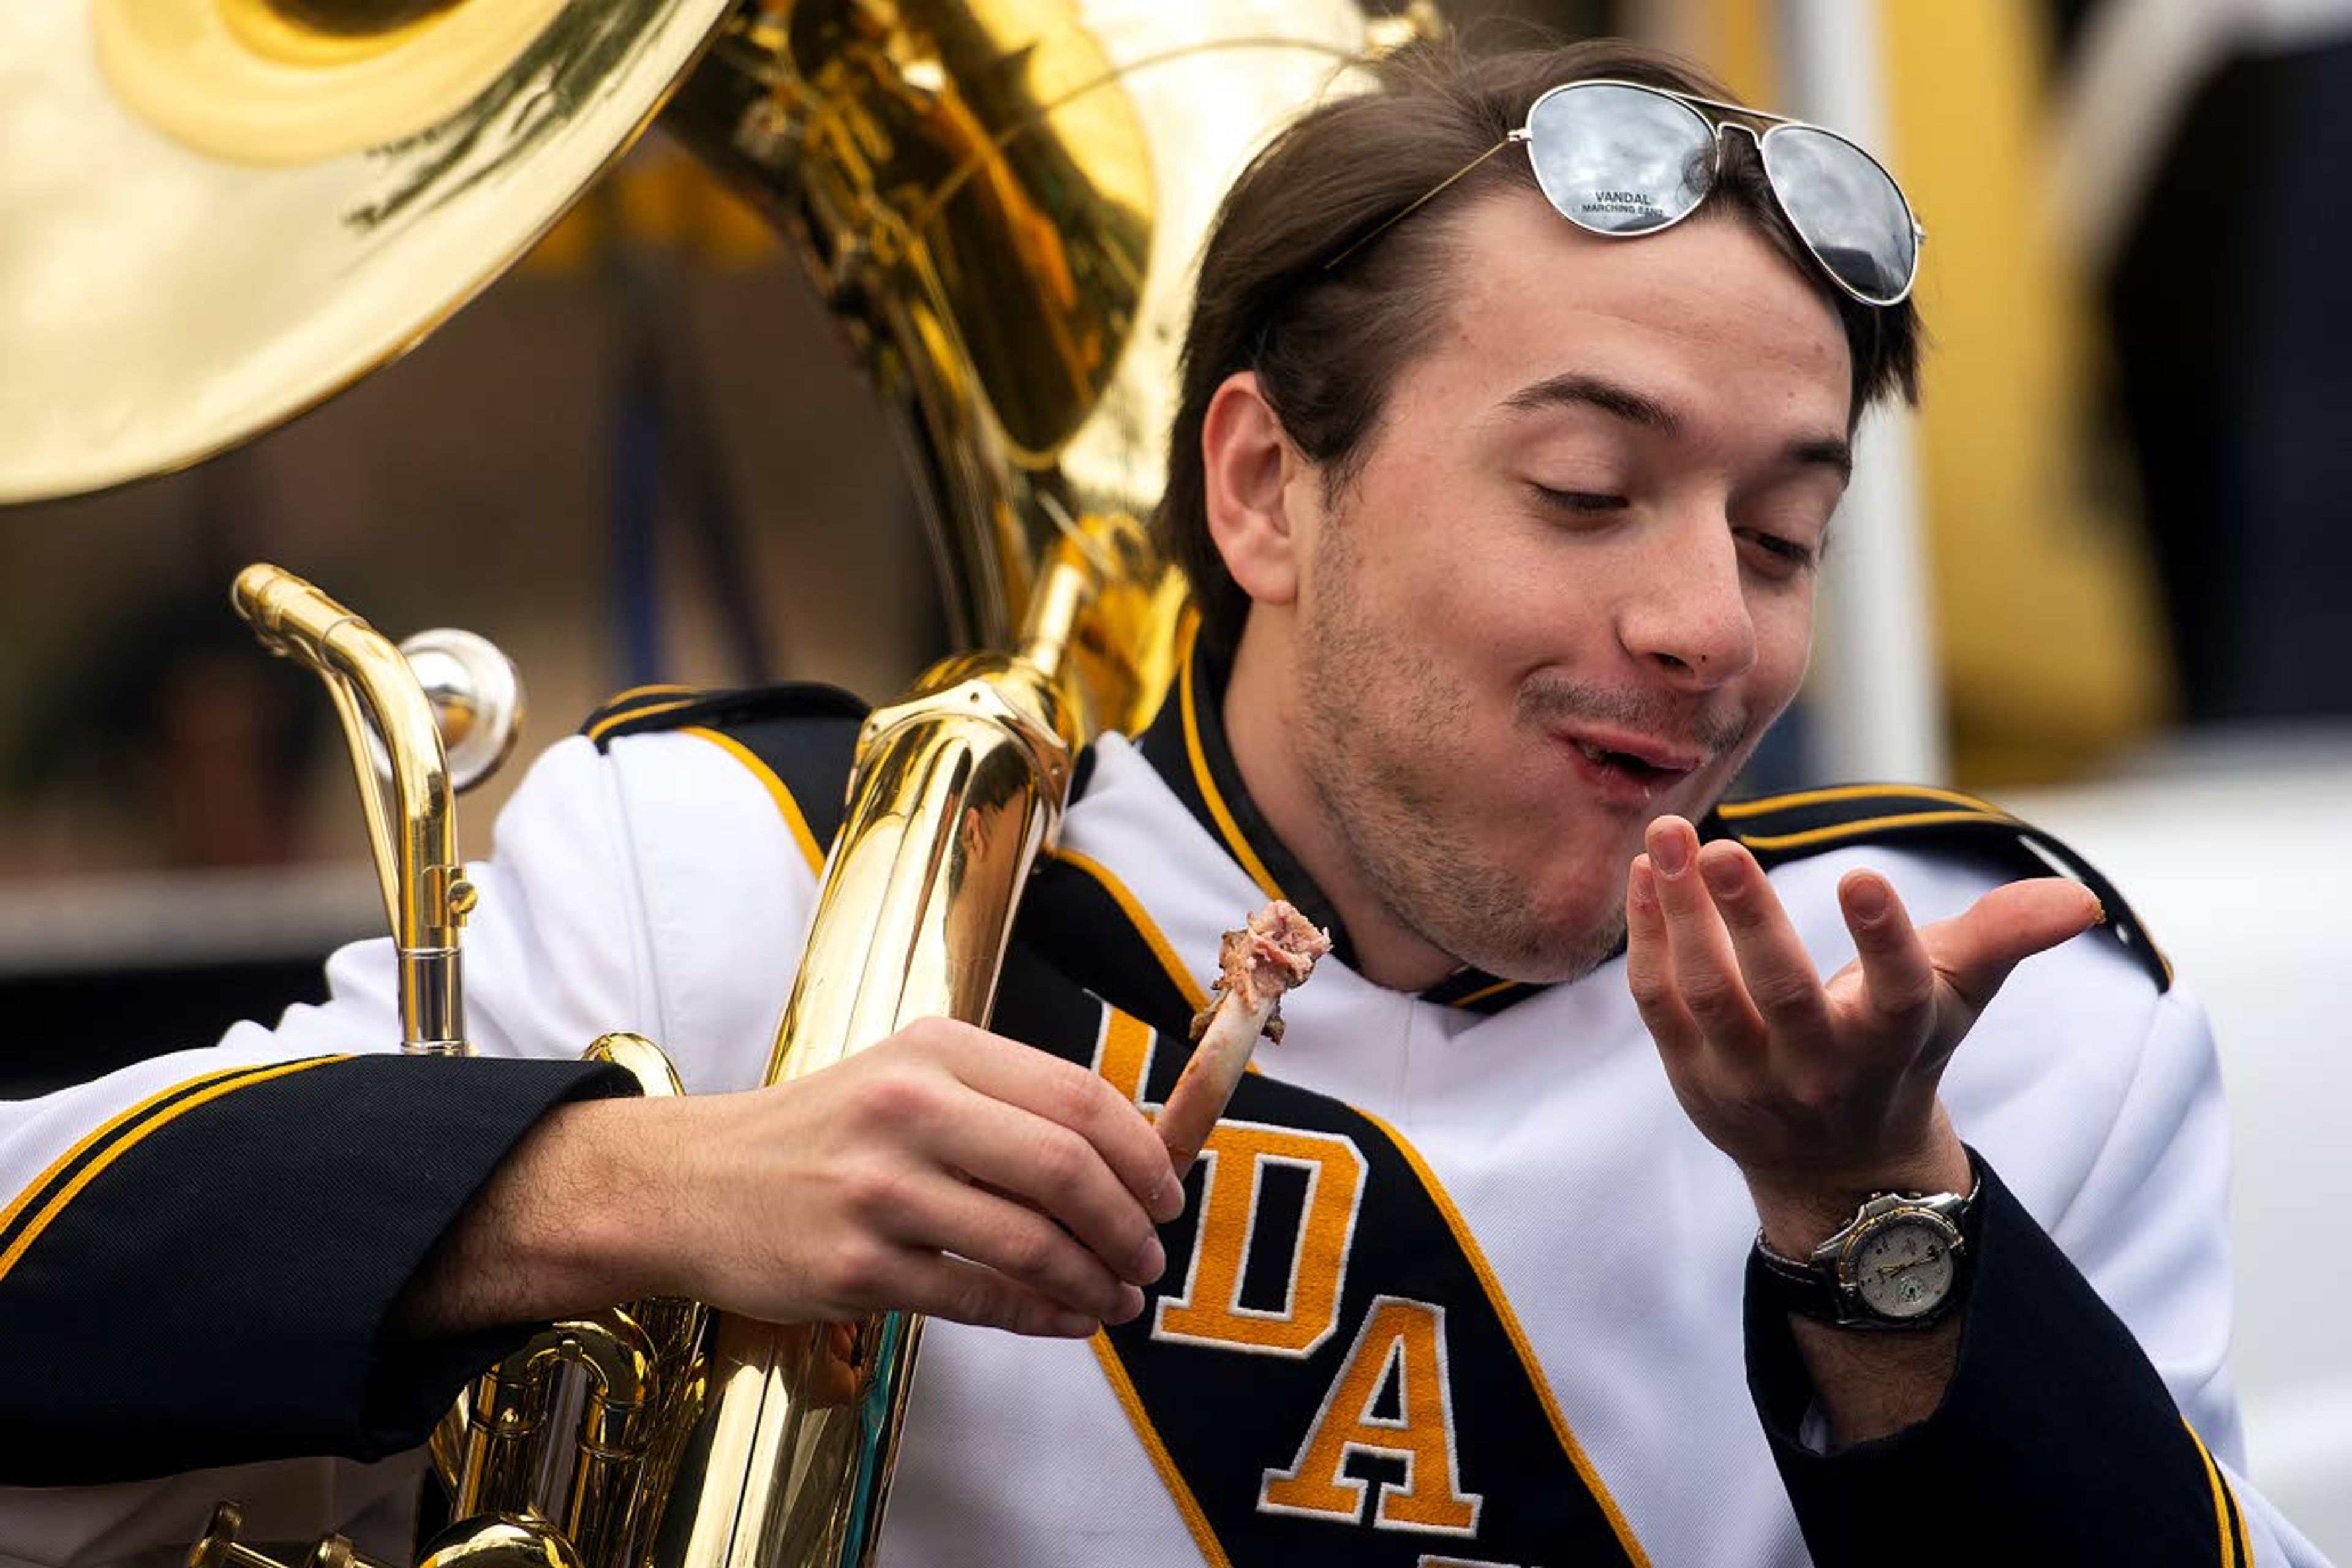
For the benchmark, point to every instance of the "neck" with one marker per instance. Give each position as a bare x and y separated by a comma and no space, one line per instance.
1260,712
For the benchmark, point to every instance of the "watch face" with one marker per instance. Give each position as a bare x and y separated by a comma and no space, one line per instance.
1903,1268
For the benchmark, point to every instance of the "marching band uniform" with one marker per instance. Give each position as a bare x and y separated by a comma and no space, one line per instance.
1457,1281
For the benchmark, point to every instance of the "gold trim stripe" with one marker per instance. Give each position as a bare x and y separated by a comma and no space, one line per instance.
1495,989
2221,1506
776,788
1858,830
1180,1491
104,1129
133,1132
1519,1337
1143,923
651,689
1207,785
1740,810
611,721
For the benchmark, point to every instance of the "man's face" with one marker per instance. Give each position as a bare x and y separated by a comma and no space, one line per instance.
1573,580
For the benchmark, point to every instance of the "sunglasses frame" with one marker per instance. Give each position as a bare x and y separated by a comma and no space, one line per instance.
1715,124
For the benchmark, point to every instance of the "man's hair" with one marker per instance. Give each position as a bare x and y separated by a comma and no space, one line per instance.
1328,344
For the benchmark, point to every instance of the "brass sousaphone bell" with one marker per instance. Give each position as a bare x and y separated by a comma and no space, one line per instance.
214,214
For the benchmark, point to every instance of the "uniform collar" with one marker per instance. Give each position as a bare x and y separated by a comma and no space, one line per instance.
1186,745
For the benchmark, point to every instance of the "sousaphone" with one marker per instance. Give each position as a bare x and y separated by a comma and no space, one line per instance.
214,214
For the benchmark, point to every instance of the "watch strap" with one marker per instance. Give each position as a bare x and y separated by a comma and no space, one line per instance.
1799,1288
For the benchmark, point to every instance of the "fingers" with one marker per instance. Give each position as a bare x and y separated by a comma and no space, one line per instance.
1783,984
940,1217
1025,1165
1897,977
938,1286
1649,963
1068,1096
1054,1173
1976,949
1704,968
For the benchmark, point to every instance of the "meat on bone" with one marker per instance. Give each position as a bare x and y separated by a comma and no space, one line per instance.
1275,949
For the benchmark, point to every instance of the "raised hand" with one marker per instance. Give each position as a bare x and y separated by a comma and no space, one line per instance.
1822,1092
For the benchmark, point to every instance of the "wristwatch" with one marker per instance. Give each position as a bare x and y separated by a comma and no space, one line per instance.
1901,1263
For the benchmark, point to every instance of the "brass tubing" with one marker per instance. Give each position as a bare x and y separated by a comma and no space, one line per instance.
511,1405
432,1001
958,788
411,820
218,1547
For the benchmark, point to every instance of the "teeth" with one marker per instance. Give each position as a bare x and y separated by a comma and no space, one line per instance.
1595,752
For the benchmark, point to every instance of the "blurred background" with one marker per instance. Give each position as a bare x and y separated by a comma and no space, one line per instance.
2100,576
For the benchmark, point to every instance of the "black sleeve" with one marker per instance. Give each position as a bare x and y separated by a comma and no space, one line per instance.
2056,1442
203,1281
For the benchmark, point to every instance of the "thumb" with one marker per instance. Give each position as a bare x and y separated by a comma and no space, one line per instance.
1975,949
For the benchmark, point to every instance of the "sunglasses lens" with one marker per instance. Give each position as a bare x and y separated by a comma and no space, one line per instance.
1620,160
1846,209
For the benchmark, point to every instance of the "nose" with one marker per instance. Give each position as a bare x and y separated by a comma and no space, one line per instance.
1685,613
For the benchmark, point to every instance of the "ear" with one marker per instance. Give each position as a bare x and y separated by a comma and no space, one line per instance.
1249,466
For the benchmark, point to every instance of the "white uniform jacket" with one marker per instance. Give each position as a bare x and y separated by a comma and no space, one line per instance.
1459,1283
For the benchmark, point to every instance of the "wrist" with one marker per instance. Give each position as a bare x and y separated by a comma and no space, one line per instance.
590,1185
1798,1211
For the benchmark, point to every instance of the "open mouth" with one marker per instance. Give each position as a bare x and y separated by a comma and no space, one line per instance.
1628,765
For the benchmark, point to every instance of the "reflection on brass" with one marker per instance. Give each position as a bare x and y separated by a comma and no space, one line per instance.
999,200
263,82
353,19
958,787
476,696
160,301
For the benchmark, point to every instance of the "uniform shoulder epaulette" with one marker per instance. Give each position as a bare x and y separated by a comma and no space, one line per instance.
802,736
641,709
1780,828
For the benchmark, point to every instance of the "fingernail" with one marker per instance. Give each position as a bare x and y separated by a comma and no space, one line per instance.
1868,897
1167,1201
1130,1305
1670,854
1722,874
1151,1261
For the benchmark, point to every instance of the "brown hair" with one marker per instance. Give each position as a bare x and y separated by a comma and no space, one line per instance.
1328,344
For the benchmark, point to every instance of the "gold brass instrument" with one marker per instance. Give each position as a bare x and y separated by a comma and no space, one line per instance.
1000,199
393,726
424,721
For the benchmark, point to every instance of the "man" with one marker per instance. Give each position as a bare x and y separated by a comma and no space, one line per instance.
1505,534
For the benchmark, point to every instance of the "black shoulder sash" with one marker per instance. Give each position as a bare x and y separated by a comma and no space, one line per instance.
1329,1372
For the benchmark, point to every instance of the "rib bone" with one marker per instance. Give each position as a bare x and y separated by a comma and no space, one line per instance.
1275,949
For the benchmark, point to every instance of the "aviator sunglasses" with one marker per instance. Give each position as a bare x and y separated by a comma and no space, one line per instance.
1619,159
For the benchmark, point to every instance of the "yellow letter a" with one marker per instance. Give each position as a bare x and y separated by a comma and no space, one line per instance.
1410,1337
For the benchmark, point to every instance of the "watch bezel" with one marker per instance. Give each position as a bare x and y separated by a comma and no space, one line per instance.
1879,1215
1823,1285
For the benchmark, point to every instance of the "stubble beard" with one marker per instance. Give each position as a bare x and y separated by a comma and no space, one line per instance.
1382,776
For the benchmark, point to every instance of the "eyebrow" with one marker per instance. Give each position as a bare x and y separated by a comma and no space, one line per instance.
1639,408
1591,392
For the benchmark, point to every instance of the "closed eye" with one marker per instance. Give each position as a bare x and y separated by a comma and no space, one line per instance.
1581,502
1792,555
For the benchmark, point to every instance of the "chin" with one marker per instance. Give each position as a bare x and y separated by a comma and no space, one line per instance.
1547,935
